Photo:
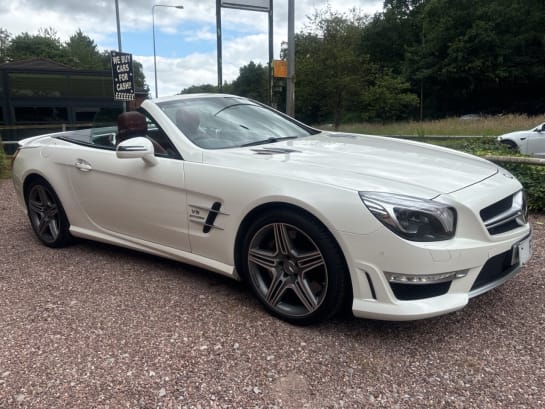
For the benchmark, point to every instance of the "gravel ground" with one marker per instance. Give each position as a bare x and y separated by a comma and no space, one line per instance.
94,326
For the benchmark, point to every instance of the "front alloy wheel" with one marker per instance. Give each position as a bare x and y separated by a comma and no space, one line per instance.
46,215
295,268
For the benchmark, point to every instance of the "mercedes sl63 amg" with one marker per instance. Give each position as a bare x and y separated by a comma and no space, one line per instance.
311,220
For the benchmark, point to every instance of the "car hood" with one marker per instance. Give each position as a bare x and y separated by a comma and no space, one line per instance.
514,135
361,162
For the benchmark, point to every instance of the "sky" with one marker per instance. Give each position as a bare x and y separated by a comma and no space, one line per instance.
185,39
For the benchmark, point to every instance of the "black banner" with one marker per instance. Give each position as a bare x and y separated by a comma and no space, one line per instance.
122,75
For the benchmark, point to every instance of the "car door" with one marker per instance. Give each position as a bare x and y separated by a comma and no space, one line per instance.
128,198
536,141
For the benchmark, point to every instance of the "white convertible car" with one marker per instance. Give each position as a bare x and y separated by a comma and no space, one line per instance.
311,220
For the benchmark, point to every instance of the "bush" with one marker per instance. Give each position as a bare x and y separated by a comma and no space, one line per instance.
532,178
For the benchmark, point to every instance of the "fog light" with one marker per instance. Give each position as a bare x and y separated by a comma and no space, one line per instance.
424,278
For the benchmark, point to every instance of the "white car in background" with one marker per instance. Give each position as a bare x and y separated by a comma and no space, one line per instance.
531,142
311,220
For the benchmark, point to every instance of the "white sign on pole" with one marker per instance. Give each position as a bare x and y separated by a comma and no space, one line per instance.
253,5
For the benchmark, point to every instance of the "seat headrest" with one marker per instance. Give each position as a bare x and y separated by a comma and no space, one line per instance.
131,124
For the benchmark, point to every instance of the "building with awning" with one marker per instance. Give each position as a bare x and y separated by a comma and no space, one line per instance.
39,95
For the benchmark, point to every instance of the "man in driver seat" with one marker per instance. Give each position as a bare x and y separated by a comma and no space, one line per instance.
188,122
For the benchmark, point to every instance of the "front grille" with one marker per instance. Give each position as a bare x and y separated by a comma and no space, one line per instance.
494,269
506,214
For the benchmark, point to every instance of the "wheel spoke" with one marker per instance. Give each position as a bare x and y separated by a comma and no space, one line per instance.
282,239
54,228
43,225
263,258
43,196
36,207
276,290
305,295
51,211
309,261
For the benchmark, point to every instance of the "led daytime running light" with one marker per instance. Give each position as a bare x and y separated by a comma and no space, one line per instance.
424,278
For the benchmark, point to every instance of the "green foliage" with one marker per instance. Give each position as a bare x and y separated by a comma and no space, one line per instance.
477,56
532,178
252,82
388,99
331,72
388,34
198,89
4,42
25,46
138,73
84,53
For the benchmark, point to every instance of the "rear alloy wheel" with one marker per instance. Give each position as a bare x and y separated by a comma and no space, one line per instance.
46,215
295,267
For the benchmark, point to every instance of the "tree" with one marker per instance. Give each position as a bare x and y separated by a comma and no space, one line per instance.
46,45
252,82
4,42
388,99
388,34
197,89
402,8
139,77
331,71
481,55
84,53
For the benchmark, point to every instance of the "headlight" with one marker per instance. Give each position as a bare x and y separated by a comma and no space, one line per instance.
410,217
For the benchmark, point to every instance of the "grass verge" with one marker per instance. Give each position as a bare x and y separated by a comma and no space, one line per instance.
481,126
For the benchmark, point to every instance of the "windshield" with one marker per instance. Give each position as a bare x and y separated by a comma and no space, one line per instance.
228,122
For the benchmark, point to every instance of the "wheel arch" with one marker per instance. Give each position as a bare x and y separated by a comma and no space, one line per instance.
510,144
62,236
251,216
29,179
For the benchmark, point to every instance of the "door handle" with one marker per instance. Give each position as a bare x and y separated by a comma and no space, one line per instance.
83,165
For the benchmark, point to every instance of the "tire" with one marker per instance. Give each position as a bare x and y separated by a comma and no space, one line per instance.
294,267
46,215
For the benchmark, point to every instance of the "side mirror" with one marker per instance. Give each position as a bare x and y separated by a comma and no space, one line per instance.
139,147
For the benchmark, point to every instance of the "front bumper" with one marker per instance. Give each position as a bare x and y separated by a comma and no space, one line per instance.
486,264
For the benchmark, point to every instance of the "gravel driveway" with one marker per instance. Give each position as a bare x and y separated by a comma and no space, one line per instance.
95,326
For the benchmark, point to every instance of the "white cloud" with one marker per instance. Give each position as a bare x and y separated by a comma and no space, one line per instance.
175,74
202,34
